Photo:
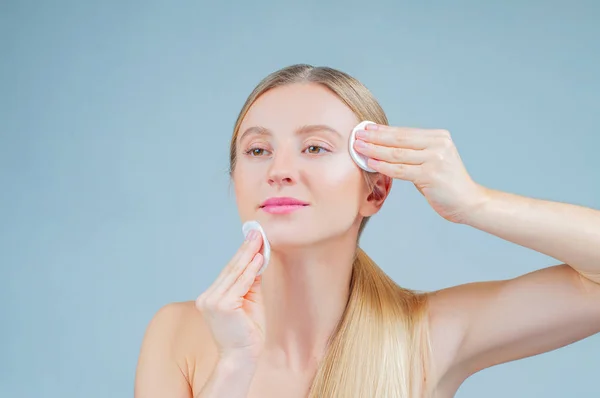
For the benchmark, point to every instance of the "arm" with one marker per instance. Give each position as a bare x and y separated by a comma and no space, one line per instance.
563,231
478,325
500,321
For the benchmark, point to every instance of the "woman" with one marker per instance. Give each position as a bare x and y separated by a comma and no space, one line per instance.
326,321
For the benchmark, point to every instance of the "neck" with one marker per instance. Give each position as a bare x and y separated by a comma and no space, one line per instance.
305,291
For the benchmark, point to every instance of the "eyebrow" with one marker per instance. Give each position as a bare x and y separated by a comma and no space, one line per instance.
307,129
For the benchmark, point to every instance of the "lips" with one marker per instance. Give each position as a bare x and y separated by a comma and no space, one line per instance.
283,201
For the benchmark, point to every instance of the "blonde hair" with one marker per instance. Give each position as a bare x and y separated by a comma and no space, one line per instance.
380,347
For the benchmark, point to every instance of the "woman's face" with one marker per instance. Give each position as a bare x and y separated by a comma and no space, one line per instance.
293,143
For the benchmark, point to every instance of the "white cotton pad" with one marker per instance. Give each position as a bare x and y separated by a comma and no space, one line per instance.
266,247
359,159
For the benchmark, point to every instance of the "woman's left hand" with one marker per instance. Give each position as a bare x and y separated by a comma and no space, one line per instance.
427,158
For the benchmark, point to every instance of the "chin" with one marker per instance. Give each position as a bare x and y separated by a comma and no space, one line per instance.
287,234
296,234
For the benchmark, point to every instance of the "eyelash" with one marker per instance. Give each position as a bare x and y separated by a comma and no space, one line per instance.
251,150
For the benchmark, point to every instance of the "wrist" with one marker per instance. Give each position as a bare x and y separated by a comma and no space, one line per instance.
479,206
238,361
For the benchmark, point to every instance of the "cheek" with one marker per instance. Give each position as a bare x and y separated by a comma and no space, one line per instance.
245,184
340,183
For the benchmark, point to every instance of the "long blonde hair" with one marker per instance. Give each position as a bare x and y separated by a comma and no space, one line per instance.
380,347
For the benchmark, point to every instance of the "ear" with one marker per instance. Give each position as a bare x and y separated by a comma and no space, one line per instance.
381,185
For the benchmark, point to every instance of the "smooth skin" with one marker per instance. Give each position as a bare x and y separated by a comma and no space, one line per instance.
303,291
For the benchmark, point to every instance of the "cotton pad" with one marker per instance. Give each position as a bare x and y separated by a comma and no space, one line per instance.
266,248
359,159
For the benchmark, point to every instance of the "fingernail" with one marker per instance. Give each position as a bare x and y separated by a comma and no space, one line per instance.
361,134
361,144
251,235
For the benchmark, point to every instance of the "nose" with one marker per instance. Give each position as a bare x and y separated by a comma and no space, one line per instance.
283,170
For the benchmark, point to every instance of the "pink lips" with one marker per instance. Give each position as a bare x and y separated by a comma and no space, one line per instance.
282,205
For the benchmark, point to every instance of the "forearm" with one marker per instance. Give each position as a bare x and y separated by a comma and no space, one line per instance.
567,232
231,378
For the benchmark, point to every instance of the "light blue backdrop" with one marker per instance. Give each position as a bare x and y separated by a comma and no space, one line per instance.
115,118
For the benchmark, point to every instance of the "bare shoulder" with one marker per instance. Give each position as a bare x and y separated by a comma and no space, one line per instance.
176,342
481,324
448,323
188,332
447,327
184,320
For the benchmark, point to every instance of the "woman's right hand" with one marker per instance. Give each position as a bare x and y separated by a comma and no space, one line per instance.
233,305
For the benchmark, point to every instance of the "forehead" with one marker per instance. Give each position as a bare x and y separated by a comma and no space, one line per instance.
284,109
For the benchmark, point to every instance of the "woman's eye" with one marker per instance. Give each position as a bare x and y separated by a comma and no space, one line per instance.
315,149
255,151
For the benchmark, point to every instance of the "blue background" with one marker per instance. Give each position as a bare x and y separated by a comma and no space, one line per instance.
115,120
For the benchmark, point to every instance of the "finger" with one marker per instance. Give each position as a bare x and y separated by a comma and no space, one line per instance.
238,263
242,285
237,268
407,172
404,137
391,154
253,292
